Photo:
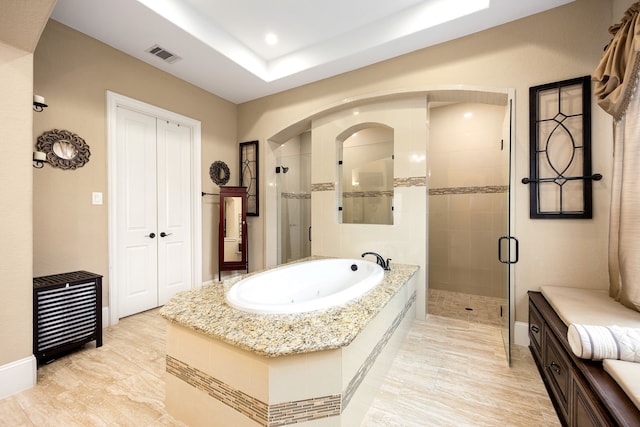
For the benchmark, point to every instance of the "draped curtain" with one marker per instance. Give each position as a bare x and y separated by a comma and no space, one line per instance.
615,84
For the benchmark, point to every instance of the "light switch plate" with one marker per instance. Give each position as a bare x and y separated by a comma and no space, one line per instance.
96,198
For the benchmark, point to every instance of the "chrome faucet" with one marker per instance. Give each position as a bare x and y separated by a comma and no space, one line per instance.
379,260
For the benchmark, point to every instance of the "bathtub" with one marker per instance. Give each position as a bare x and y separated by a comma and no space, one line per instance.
305,286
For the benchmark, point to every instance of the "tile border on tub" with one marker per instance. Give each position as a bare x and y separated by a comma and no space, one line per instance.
230,396
279,414
357,379
286,413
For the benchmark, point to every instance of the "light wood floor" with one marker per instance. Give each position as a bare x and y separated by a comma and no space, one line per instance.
448,373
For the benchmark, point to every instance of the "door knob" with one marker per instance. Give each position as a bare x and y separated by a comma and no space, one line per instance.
163,234
151,235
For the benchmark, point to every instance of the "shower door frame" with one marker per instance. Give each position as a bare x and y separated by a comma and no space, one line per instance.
507,332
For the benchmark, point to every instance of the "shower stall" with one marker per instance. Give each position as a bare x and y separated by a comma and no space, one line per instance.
468,211
293,172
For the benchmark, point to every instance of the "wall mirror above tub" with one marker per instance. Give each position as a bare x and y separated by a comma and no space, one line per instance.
232,243
365,174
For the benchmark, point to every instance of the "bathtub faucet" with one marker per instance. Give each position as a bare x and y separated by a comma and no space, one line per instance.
379,260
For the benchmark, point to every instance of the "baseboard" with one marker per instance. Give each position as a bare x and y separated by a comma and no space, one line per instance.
105,317
521,334
18,376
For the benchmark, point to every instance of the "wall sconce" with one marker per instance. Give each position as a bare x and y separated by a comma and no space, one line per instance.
39,157
38,103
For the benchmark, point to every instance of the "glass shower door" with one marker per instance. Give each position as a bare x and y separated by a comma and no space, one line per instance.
507,244
294,190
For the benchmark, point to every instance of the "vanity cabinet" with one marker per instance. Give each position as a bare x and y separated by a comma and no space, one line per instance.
232,230
581,391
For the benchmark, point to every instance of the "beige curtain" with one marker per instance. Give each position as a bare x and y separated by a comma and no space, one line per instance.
616,78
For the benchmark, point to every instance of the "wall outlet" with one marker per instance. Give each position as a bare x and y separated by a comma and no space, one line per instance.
96,198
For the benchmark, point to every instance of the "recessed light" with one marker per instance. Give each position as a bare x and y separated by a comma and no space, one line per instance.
271,39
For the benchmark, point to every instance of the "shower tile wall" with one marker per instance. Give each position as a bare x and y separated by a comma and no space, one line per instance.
467,209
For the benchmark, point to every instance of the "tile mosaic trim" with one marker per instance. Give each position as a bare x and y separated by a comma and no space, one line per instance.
489,189
286,413
232,397
323,186
414,181
370,360
275,415
300,411
354,194
296,196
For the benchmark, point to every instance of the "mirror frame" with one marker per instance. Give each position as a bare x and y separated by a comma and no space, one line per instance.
243,264
47,141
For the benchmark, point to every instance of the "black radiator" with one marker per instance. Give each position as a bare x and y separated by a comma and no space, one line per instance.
67,313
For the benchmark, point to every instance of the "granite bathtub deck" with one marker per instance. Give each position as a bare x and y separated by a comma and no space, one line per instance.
272,335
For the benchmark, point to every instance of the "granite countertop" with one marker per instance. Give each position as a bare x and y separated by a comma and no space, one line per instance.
204,310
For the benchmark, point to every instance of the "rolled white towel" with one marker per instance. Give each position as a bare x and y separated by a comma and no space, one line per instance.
604,342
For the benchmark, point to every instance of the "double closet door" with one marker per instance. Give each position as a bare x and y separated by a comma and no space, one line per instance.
153,188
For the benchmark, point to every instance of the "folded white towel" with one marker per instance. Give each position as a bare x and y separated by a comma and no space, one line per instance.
604,342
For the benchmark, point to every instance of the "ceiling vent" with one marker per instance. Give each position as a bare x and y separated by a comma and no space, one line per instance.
163,54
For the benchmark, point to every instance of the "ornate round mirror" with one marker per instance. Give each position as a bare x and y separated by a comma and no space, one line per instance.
64,149
219,172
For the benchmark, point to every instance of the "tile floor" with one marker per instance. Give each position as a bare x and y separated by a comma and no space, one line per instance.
457,305
449,372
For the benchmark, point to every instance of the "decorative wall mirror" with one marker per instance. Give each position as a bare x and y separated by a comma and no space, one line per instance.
219,172
365,174
64,149
232,243
560,150
249,175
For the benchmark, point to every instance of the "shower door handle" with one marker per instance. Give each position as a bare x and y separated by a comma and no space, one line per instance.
517,249
309,233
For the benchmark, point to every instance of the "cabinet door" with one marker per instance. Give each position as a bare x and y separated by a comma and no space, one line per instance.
584,411
536,325
558,371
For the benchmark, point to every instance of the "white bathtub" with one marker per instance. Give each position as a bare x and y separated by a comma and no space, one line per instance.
305,286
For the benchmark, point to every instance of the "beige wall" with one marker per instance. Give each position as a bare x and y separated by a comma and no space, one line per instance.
619,7
15,204
20,26
74,72
563,43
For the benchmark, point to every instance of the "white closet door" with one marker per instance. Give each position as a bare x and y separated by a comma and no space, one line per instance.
174,210
137,226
